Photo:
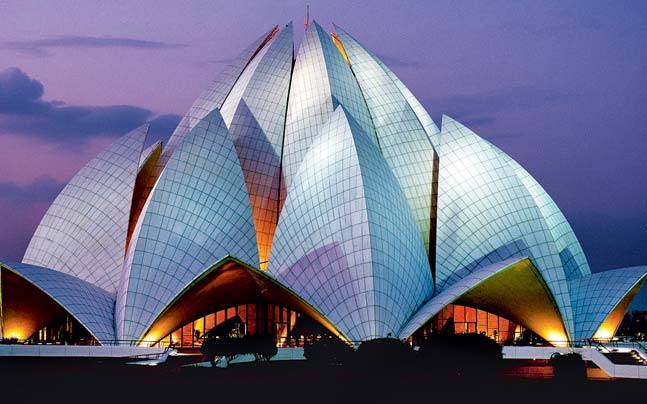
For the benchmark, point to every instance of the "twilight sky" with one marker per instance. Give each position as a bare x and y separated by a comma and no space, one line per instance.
559,85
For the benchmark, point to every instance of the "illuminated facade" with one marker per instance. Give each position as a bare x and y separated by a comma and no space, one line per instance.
307,189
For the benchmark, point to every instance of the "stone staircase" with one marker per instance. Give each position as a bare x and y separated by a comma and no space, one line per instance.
626,358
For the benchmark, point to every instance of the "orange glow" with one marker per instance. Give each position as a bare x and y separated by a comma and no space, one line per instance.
263,191
340,46
144,181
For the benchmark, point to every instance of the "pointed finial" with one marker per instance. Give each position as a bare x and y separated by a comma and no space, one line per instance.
307,21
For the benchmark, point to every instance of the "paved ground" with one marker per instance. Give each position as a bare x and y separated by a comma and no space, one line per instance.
67,380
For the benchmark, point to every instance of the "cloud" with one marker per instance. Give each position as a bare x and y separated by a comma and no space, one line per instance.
480,109
40,190
19,93
162,127
21,208
23,111
38,47
211,62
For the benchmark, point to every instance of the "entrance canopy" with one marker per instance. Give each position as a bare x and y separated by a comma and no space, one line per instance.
512,288
32,297
227,283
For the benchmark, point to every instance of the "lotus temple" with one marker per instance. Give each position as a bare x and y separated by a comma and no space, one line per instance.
307,186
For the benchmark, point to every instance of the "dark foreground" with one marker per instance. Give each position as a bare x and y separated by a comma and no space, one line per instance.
65,380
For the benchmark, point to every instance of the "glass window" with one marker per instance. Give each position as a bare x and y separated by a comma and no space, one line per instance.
210,321
242,312
481,318
470,315
459,314
492,321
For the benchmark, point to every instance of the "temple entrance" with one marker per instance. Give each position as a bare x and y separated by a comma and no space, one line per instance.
459,319
288,327
263,306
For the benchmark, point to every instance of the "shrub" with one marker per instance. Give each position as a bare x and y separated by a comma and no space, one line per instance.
380,353
328,351
9,341
568,367
463,354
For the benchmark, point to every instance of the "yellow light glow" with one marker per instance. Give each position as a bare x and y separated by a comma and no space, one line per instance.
17,333
148,341
610,325
557,338
604,334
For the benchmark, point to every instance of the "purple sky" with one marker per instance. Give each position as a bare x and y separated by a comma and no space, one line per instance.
561,86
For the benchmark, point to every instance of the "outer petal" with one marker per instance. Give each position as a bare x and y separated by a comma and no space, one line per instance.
346,241
570,251
255,114
197,214
401,136
600,300
92,306
84,232
486,214
428,124
321,81
214,96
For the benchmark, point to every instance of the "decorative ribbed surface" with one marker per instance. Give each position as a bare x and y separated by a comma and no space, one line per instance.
255,114
321,81
197,214
84,231
402,138
92,306
596,295
346,241
486,215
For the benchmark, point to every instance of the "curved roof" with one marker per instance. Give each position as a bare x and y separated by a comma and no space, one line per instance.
344,230
213,290
90,305
321,81
486,215
198,213
512,288
595,298
570,251
401,136
84,231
